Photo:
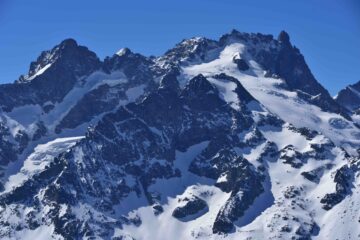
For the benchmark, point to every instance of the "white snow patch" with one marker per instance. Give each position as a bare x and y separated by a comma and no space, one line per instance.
39,72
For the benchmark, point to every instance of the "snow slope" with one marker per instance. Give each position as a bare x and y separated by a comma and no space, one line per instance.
41,157
285,104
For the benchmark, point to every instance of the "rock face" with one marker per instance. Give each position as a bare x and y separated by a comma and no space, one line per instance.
193,206
245,185
230,138
57,71
343,179
12,143
316,174
289,155
241,64
349,97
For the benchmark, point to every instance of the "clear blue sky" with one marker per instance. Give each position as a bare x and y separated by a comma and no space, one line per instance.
326,31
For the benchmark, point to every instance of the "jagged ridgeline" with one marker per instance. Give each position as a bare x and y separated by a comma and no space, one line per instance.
216,139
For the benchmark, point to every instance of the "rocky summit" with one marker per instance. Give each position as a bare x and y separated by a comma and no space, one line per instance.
216,139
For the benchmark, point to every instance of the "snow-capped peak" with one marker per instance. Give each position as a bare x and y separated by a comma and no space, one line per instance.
67,50
123,51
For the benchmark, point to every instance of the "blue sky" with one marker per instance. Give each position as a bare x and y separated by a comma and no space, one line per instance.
326,31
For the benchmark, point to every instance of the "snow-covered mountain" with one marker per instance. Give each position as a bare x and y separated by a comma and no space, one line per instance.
216,139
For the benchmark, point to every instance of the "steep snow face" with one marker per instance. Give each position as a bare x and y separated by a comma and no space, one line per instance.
284,103
39,159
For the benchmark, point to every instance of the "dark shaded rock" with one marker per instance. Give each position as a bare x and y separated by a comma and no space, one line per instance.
23,140
284,37
48,107
31,220
292,192
69,228
255,38
10,146
290,156
106,98
193,208
40,131
190,50
135,220
349,97
316,174
158,209
306,132
286,228
311,176
221,162
255,138
170,80
306,231
339,123
271,120
246,185
124,237
241,64
270,152
343,180
7,148
135,66
199,94
243,95
129,146
68,60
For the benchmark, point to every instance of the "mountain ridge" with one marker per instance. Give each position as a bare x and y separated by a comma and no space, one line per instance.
222,139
